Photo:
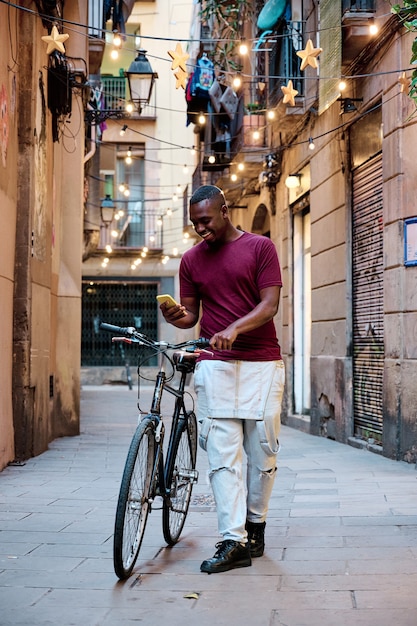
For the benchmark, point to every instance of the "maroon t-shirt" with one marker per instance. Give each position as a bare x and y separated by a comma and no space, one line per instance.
227,280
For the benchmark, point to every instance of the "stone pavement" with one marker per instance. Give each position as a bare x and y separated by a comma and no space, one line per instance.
341,538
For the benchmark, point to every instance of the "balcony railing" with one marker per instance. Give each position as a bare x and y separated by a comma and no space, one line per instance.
284,64
358,6
116,93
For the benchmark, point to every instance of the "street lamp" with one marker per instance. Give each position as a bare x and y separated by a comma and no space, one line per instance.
141,78
107,210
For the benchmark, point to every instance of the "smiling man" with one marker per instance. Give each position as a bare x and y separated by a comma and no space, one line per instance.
235,277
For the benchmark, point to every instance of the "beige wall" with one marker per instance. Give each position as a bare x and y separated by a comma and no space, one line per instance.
41,184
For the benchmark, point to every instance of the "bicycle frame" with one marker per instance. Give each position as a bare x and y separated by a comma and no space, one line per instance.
160,466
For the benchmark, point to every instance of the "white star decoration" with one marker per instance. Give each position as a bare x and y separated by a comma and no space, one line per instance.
289,94
404,82
179,57
55,41
308,55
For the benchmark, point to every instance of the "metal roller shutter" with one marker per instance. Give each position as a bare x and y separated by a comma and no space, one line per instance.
368,300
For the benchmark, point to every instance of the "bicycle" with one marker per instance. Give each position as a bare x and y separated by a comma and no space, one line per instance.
148,471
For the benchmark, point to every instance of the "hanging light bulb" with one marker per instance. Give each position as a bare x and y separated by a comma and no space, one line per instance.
122,187
201,119
185,170
256,135
311,145
243,48
233,177
271,114
373,28
117,40
123,130
212,159
129,107
241,167
126,192
342,85
114,54
109,249
169,212
237,82
192,151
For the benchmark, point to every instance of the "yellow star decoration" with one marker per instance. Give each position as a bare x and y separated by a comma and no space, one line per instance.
289,94
180,78
404,82
178,57
308,55
55,41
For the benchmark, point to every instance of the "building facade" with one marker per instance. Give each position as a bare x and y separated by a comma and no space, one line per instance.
326,171
41,194
143,162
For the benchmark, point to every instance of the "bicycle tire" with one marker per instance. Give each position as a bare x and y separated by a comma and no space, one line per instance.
180,477
133,502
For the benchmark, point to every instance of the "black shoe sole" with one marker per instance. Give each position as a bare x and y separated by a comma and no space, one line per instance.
224,568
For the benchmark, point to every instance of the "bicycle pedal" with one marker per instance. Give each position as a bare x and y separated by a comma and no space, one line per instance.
157,503
189,475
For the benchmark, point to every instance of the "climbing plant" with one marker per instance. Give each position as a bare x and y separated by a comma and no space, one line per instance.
407,12
226,19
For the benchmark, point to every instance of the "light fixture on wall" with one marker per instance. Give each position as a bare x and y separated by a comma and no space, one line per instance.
107,210
141,79
293,181
348,105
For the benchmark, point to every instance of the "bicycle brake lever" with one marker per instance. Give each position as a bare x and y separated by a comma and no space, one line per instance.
205,351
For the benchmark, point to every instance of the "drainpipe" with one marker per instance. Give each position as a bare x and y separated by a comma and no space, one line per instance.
91,213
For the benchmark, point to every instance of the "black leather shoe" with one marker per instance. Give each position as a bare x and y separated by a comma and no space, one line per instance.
229,554
256,538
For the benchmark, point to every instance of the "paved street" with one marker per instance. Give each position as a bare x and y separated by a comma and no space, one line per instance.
341,538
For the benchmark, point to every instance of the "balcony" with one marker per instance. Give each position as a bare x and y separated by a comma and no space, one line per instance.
96,41
356,19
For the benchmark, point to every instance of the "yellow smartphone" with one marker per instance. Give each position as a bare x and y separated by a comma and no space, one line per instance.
169,300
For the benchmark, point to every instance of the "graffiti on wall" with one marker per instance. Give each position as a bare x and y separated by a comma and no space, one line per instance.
4,125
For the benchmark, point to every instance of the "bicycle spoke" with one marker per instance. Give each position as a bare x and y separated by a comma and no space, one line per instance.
181,476
133,504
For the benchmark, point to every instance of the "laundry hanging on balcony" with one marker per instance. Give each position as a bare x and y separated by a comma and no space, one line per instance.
197,89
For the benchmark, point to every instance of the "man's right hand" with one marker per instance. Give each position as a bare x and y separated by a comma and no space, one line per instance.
173,313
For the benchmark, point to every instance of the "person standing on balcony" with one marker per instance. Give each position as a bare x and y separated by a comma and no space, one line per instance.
235,276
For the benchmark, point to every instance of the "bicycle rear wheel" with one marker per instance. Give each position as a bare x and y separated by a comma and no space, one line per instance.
180,477
133,503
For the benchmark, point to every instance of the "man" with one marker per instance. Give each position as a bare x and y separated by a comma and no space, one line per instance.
235,277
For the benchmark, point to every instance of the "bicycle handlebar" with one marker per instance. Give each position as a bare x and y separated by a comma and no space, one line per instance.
137,337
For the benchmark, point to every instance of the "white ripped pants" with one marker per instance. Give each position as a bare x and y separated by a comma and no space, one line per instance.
252,389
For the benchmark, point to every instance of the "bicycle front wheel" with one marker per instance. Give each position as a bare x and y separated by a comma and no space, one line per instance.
133,503
180,477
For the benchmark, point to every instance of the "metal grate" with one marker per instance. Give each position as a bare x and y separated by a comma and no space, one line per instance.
122,304
368,299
